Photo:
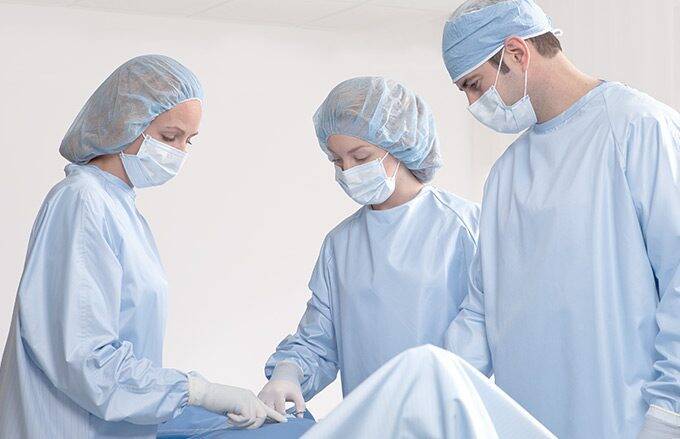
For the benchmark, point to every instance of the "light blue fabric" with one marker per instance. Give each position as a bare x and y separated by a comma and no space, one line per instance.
196,422
385,281
83,356
470,39
125,104
427,392
386,114
575,310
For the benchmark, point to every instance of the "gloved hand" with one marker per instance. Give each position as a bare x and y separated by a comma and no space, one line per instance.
241,406
655,428
284,385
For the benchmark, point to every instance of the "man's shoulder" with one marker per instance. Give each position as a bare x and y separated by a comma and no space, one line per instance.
628,105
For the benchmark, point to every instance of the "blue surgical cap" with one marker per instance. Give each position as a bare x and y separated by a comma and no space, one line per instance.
386,114
477,30
125,104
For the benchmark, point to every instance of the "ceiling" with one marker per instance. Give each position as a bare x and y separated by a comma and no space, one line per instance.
311,14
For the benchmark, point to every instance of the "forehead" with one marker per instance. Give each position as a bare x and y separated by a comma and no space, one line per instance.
480,72
186,114
341,144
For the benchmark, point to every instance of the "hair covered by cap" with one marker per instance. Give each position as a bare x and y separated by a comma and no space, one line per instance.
386,114
472,6
125,104
477,30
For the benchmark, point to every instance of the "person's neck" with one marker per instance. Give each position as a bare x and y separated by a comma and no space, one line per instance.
407,188
112,164
558,86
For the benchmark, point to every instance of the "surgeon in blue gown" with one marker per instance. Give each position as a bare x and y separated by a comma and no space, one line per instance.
575,304
392,275
83,355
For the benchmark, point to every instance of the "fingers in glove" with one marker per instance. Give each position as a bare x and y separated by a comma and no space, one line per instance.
267,399
274,415
240,421
299,404
260,417
280,404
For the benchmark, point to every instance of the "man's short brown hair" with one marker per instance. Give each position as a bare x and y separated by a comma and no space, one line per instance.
547,45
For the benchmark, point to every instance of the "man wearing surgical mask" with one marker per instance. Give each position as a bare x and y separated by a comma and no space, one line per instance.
393,274
575,289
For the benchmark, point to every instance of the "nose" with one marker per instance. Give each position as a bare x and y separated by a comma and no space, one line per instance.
471,97
342,165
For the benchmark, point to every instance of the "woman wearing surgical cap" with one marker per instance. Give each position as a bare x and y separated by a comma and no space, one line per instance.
393,274
83,355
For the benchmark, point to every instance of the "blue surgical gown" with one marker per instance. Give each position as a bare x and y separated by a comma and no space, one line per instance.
576,300
83,356
385,281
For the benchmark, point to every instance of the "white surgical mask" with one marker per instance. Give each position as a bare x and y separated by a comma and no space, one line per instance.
154,164
368,183
490,109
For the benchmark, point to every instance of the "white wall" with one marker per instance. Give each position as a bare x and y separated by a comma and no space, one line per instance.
240,229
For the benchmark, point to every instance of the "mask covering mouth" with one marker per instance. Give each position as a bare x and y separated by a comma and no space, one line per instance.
490,109
368,183
154,164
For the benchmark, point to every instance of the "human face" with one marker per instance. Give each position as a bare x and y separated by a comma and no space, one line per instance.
175,127
510,85
349,152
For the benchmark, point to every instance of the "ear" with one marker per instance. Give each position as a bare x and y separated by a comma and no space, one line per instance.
517,52
133,148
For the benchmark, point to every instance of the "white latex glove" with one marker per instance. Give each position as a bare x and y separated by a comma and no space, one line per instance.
655,428
284,385
241,406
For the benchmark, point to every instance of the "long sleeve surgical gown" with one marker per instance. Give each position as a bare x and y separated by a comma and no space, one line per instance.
83,356
576,301
385,281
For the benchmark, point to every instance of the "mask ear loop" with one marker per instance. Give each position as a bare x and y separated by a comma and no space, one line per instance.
396,170
526,74
398,164
500,64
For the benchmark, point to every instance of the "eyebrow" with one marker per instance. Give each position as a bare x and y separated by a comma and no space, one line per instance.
356,149
175,127
353,150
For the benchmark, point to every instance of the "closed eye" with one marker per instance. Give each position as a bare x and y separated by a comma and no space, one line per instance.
470,85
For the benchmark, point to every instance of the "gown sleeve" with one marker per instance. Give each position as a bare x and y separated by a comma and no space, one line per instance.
466,336
70,302
651,160
313,347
